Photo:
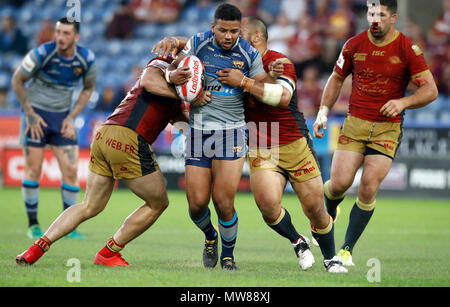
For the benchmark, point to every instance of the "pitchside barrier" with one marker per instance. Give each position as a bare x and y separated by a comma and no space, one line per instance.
420,169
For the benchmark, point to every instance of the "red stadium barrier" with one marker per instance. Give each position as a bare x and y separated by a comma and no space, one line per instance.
13,162
9,134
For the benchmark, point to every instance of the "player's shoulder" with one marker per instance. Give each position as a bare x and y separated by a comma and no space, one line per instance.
87,54
203,36
404,40
408,46
45,49
199,39
272,55
359,39
247,48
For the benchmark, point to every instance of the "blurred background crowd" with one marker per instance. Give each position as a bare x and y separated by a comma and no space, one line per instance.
310,32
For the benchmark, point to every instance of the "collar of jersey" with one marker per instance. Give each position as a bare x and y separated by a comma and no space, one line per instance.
396,34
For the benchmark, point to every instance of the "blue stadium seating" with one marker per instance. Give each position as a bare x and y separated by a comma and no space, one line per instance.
115,58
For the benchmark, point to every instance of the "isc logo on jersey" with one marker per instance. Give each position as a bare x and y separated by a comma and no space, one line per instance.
192,89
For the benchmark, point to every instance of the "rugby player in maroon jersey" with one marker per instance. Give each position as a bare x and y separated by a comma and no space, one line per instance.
382,61
121,149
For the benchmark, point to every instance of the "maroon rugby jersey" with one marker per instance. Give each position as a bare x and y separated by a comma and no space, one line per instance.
146,113
380,72
290,121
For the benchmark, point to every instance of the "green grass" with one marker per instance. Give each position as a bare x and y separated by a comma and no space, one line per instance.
410,238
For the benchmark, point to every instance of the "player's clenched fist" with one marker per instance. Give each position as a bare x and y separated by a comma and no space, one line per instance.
321,122
276,68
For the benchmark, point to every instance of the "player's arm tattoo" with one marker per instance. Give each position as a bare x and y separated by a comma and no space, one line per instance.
425,93
83,99
420,81
18,85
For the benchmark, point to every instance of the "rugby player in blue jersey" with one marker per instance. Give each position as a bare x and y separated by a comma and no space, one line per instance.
216,142
53,69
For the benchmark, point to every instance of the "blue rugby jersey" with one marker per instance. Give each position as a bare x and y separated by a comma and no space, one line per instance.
226,109
54,77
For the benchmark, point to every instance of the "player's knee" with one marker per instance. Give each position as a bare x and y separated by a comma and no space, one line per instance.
313,209
33,172
70,172
222,201
198,200
91,211
162,204
340,187
367,190
268,205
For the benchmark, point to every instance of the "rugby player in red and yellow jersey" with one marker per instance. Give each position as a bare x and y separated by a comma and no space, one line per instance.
121,149
281,150
382,61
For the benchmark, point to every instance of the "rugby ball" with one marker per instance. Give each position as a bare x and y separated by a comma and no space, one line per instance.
192,89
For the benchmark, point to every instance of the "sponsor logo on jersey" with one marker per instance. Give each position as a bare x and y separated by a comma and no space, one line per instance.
238,64
360,56
340,62
378,53
77,71
395,60
417,50
28,63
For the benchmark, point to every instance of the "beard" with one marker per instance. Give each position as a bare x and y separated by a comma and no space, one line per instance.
377,32
65,47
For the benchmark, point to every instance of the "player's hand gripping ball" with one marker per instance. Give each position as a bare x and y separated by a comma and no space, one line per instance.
192,89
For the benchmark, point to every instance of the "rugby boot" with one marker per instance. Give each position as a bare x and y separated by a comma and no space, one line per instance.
304,256
116,260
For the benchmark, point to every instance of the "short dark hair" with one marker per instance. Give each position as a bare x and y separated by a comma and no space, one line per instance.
74,23
259,26
227,11
390,4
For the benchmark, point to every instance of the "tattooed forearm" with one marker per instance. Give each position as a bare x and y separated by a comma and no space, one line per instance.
83,99
18,85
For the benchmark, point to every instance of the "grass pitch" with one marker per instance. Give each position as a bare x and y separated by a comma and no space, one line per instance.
407,237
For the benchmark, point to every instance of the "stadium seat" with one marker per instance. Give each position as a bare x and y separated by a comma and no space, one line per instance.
147,30
425,116
5,78
445,117
8,11
25,15
190,14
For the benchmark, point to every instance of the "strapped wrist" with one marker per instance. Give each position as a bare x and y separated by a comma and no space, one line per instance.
323,111
167,73
247,84
322,115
